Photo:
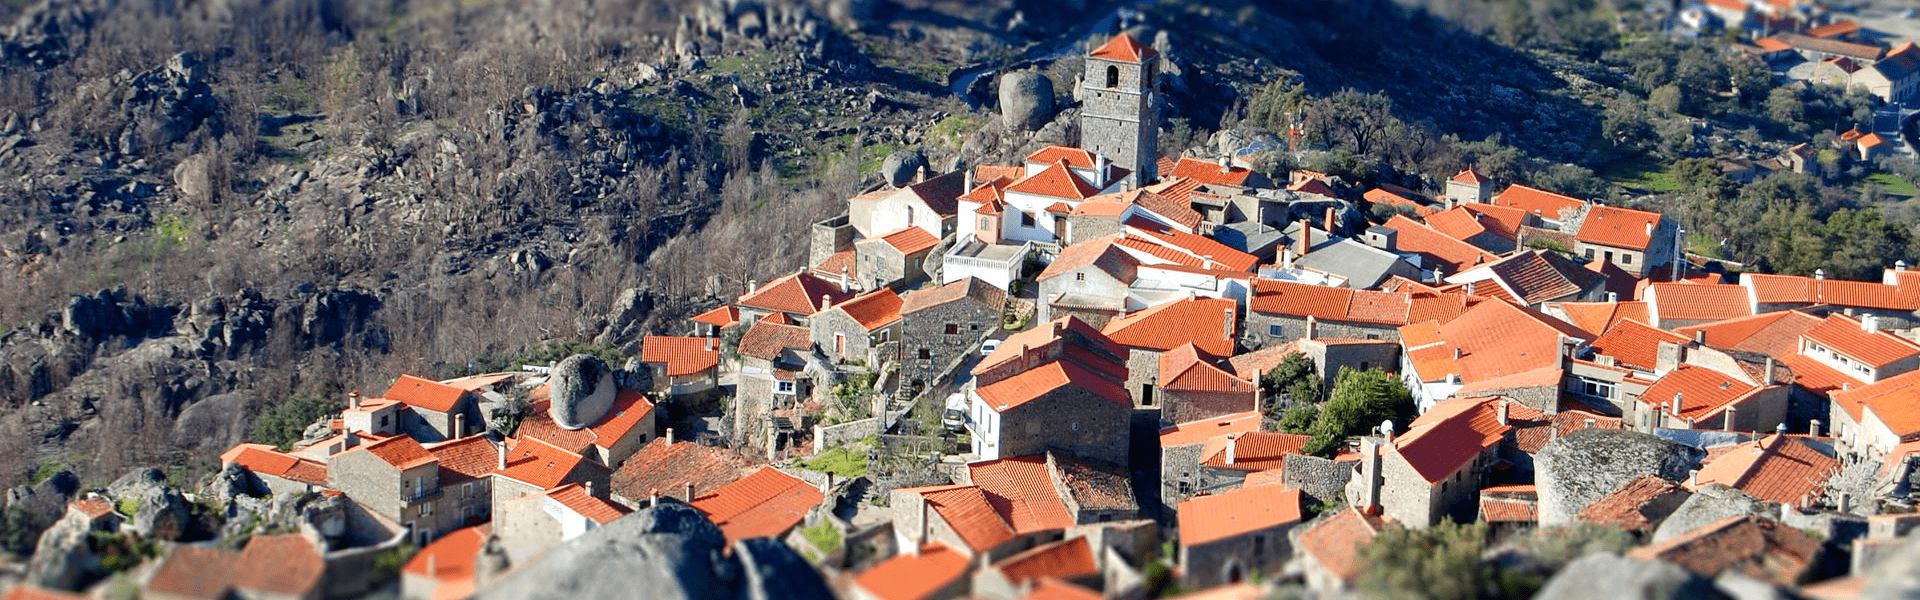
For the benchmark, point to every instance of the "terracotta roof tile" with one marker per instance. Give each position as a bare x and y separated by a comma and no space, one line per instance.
970,288
1894,400
1703,392
452,556
1495,340
1198,246
278,565
1545,204
766,339
470,457
1531,437
1180,189
1818,378
538,463
1177,211
1627,507
629,407
1100,253
1216,517
1775,334
1021,491
910,240
474,383
402,452
1209,172
1748,545
1020,389
767,503
28,591
1124,48
873,310
1207,323
1789,289
1456,223
1436,248
94,506
265,460
967,511
1540,276
1200,431
1509,510
575,498
425,393
1312,186
1469,176
1504,220
1054,589
1055,181
1095,486
1186,369
992,172
1079,158
1087,343
797,293
914,575
1451,434
1697,302
1845,335
1597,318
831,269
1252,451
667,469
1619,227
1386,197
1066,559
682,355
1636,344
1776,468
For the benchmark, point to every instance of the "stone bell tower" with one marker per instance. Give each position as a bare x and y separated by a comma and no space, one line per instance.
1117,118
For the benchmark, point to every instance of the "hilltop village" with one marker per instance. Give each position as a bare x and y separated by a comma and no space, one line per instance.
1103,372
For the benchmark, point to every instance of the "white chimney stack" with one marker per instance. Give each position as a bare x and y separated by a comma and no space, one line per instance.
753,285
1819,273
1231,440
353,400
1503,411
503,456
1870,323
689,492
1676,404
843,280
1813,428
588,486
1386,430
1693,478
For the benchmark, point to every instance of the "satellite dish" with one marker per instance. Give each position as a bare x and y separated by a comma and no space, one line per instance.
1386,427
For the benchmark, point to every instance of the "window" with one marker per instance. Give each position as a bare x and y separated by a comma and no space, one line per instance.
1186,488
1113,76
909,216
783,387
953,328
1076,428
926,354
986,223
1276,330
1079,276
1373,336
1626,259
1026,220
1259,545
1589,253
426,510
383,421
974,327
1597,389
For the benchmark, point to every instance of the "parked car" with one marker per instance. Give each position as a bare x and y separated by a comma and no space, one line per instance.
987,347
954,419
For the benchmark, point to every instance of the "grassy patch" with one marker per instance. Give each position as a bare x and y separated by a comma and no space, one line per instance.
840,461
1702,244
953,130
128,506
824,537
1643,172
1893,185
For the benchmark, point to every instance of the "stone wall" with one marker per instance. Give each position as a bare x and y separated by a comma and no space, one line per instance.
367,480
1070,419
829,436
1585,465
926,330
525,529
1179,464
828,237
835,322
1236,558
1183,406
1091,227
1321,479
1118,121
877,263
1143,374
1097,284
1544,398
1260,333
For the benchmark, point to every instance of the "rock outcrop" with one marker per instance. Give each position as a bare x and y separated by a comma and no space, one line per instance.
1026,100
665,552
1603,575
1710,504
582,391
1587,464
900,168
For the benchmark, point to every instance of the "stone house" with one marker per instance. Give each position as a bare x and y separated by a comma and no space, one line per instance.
682,366
679,469
280,474
404,483
1282,311
1749,545
1494,348
532,466
1691,394
940,325
1208,324
533,524
927,204
1107,214
609,437
1224,462
1873,421
775,371
1533,278
1231,537
1074,561
1776,468
1469,187
1057,386
437,411
862,330
1330,549
1437,468
769,503
932,572
1329,356
894,259
278,567
1184,447
1118,117
1894,77
1089,281
797,296
1194,388
1634,240
1012,505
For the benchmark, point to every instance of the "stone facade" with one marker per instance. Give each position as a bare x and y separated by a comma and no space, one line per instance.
413,498
1265,330
1081,228
1143,377
1385,478
427,426
1117,116
1088,281
878,264
935,336
1224,561
1321,479
1186,406
828,237
845,340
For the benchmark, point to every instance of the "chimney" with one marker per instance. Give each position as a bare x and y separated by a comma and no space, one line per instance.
1731,419
826,487
433,566
1813,428
1819,274
1306,238
1767,378
669,436
1657,416
1586,423
1331,223
587,486
1286,258
653,497
1693,478
843,280
1649,227
1780,429
1613,296
1700,336
1458,353
459,425
1900,265
1228,320
1312,325
753,285
1870,323
826,302
1503,411
1845,502
920,175
689,492
1231,441
353,400
709,343
1676,403
349,440
1386,430
966,179
503,455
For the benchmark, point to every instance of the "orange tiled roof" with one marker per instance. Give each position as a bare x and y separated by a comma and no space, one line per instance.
265,460
1021,490
1312,186
1217,517
1547,205
1185,368
1200,431
1509,510
1636,344
538,463
1335,543
682,355
1252,451
1457,223
28,591
971,516
767,339
1047,588
1703,392
629,407
1055,181
797,293
1057,332
1894,400
1618,227
1209,172
280,565
470,457
1775,334
1697,302
1100,253
474,383
1531,437
1064,559
1495,340
1436,248
765,504
1020,389
1198,246
1124,48
1818,378
1207,323
1385,197
575,498
1772,45
93,506
402,452
875,309
1790,289
1180,189
1625,507
992,172
1749,545
979,291
425,393
1504,220
1177,211
914,575
667,469
1079,158
1538,276
1596,318
452,556
1469,176
1776,468
910,240
1450,435
832,268
1845,335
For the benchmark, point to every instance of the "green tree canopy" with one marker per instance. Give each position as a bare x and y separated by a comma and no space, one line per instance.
1360,401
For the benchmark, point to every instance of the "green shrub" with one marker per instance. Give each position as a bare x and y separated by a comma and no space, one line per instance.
284,425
